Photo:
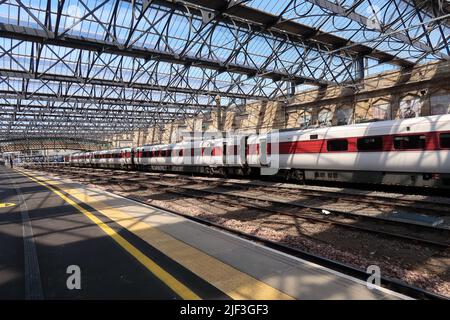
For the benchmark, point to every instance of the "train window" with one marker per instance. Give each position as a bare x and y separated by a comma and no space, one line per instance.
445,140
337,145
409,142
313,136
370,143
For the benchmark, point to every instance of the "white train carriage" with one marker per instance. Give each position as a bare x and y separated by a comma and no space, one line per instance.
95,159
182,156
225,155
127,158
212,155
235,151
412,152
114,159
77,159
152,156
88,158
201,156
166,157
101,159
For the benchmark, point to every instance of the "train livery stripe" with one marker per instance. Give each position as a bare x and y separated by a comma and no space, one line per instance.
179,288
432,142
234,283
321,145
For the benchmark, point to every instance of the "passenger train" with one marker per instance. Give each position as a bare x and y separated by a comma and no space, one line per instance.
409,152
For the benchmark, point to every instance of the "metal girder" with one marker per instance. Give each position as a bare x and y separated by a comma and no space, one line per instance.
145,86
54,97
433,7
197,46
84,43
77,109
41,143
113,65
95,118
376,24
59,129
297,31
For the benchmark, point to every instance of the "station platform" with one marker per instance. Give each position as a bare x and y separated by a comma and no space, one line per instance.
128,250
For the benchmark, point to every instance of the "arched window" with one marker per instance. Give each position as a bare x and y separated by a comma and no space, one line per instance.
344,116
304,120
381,110
325,116
410,107
440,104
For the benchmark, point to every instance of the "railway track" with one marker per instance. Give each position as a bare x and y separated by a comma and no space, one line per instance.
341,219
420,212
439,206
382,227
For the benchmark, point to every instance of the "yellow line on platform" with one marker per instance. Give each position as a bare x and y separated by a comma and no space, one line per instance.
6,204
179,288
234,283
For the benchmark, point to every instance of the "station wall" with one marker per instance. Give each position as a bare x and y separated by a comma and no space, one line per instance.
421,91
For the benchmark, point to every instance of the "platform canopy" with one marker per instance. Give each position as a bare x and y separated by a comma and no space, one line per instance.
51,143
86,68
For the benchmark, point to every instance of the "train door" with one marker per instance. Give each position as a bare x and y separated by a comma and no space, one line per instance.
224,153
263,152
243,150
132,153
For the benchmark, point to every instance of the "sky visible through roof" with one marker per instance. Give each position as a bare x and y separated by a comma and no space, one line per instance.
180,33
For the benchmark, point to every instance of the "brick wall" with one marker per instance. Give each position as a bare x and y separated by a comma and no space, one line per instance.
425,90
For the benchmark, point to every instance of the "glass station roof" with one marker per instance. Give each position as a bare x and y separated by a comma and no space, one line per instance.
90,67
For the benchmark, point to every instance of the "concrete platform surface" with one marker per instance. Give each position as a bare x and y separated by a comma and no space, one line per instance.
126,249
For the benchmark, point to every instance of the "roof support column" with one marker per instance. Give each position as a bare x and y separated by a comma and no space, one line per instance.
219,114
360,64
